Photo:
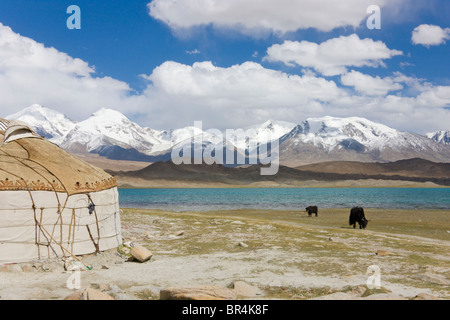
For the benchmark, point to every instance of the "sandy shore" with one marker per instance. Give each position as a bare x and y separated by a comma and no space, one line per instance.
283,254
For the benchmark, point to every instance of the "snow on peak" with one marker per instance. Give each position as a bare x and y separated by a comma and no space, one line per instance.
442,136
49,123
332,132
110,127
108,115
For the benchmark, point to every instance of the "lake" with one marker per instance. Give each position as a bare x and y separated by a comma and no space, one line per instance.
207,199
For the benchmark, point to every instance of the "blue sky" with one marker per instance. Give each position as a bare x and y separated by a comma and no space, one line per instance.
167,63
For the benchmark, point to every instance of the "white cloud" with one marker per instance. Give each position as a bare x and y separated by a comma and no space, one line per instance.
434,97
333,56
248,93
430,35
368,85
193,52
250,16
242,93
32,73
176,94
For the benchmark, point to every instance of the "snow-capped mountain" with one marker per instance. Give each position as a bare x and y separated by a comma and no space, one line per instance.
355,139
440,136
48,123
111,134
263,133
183,136
106,128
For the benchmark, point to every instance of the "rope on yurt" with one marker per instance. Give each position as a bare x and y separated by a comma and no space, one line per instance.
92,209
59,204
37,234
40,224
34,206
64,249
54,190
97,249
53,187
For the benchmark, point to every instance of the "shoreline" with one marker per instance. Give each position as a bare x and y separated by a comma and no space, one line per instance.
173,184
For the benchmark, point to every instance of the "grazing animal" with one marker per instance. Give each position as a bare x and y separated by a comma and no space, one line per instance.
311,210
357,215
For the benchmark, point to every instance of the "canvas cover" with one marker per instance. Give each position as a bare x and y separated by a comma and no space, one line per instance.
52,204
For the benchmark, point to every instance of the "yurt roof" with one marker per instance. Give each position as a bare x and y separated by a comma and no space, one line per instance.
30,162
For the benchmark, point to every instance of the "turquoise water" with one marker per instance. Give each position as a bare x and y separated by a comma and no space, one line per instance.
284,199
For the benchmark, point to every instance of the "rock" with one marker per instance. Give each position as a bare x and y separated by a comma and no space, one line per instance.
244,289
359,291
125,296
243,244
179,234
337,296
351,296
383,253
426,296
141,254
384,296
89,294
105,267
101,286
197,293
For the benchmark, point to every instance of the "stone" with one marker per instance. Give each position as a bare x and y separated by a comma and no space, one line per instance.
197,293
179,234
384,296
383,253
242,244
89,294
359,291
244,289
336,296
141,254
426,296
101,286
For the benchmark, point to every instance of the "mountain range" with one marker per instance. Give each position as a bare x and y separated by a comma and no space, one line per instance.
403,172
110,134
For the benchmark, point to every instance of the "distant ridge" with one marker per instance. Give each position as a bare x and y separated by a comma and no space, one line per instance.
409,168
414,170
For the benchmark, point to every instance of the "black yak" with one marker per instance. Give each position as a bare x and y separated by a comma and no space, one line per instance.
357,215
311,210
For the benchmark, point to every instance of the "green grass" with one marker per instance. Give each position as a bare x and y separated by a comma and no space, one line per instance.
416,241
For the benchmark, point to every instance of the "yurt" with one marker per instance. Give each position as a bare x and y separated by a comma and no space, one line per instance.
52,204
